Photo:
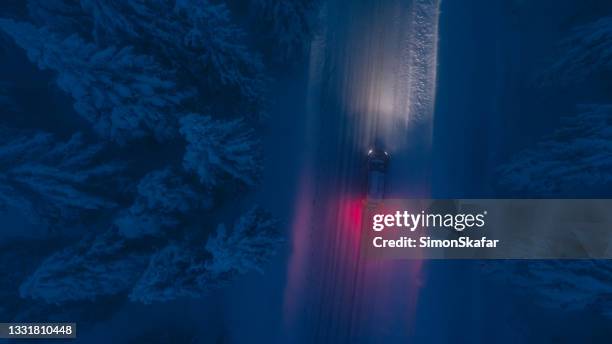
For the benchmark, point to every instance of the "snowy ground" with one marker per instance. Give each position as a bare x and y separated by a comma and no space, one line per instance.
372,76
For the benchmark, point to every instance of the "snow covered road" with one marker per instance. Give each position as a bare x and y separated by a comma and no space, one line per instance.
372,76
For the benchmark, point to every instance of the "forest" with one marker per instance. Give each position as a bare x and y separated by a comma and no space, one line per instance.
146,124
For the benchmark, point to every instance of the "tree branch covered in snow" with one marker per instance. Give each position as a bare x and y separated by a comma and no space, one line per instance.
193,36
182,271
584,53
64,16
123,94
290,24
576,158
104,265
563,284
175,271
250,244
163,196
51,180
219,150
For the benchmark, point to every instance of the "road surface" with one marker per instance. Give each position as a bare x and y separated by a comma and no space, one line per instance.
372,76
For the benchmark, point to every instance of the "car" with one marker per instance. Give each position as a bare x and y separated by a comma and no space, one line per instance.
378,161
